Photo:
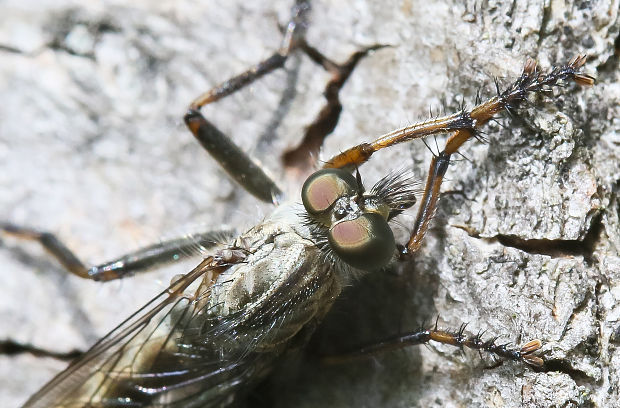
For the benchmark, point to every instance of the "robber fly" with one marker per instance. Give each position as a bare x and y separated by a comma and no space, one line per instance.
219,329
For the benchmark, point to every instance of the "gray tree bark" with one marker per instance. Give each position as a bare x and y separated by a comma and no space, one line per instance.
525,243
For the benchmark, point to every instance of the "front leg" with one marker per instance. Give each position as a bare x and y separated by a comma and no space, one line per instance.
464,125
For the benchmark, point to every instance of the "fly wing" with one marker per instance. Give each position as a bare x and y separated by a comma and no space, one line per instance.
143,362
179,352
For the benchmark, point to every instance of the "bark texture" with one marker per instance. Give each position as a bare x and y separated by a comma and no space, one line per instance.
525,243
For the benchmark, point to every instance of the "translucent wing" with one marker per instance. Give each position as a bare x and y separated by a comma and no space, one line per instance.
143,361
175,353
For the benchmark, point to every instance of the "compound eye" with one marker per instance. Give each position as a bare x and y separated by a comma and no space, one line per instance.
324,187
366,242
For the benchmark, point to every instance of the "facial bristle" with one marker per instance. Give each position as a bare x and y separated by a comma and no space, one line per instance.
397,190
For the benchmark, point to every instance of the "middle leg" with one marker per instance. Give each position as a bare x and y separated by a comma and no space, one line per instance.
143,259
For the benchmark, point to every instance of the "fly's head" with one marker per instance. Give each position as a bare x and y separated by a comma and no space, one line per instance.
352,223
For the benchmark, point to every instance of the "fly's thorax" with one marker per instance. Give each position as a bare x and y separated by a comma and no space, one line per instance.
282,287
275,252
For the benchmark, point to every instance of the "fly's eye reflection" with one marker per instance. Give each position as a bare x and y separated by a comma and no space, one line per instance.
366,242
323,188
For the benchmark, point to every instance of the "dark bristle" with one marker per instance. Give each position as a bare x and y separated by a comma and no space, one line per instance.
429,148
397,190
497,89
465,157
498,123
533,81
481,137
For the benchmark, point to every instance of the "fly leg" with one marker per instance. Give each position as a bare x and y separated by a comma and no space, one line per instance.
457,338
464,126
233,160
140,260
304,156
242,168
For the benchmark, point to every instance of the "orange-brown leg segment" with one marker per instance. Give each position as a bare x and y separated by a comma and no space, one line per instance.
456,338
428,204
464,125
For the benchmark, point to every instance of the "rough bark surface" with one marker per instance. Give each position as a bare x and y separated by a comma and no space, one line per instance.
525,243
